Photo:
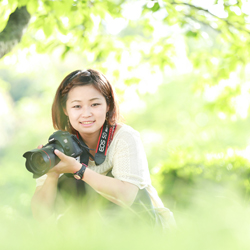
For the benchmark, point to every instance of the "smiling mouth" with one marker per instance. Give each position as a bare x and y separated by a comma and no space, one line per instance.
87,122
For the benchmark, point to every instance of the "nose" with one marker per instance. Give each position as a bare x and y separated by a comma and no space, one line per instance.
86,112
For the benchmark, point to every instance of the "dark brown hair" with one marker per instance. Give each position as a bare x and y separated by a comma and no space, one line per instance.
82,78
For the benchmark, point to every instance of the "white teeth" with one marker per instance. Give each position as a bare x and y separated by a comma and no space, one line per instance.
86,122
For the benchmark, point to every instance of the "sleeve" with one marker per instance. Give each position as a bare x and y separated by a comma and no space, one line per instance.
130,161
40,180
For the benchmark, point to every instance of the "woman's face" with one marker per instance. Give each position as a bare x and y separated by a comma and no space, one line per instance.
86,108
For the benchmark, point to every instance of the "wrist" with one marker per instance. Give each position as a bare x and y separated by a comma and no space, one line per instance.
53,175
80,173
76,167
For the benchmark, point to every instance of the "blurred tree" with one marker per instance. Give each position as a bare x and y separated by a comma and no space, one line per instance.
12,33
188,145
198,134
84,26
214,35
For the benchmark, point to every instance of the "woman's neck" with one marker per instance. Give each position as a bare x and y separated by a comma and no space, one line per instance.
91,140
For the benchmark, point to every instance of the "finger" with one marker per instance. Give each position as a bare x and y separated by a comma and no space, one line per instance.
40,146
61,155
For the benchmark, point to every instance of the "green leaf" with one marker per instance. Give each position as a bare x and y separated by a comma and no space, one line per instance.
32,6
156,7
5,11
132,81
192,34
66,50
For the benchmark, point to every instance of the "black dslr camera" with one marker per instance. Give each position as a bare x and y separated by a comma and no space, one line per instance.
40,161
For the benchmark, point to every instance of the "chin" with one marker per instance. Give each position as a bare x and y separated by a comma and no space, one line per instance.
89,130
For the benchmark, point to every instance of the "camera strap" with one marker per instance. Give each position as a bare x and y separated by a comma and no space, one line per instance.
104,140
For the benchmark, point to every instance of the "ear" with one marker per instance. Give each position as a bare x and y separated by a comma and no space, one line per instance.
107,109
65,111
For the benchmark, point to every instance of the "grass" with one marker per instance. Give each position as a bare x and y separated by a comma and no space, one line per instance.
217,218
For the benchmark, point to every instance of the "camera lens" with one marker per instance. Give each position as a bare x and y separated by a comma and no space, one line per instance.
41,161
38,159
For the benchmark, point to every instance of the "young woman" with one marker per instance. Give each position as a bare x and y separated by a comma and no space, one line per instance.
84,103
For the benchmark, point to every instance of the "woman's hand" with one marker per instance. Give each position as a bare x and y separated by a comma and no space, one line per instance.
51,174
66,165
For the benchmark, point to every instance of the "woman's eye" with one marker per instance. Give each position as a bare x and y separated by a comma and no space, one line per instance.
95,104
77,106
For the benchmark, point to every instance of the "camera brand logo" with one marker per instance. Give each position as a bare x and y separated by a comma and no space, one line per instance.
103,142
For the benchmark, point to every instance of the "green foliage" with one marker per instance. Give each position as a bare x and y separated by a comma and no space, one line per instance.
188,145
83,27
194,120
5,11
216,219
184,172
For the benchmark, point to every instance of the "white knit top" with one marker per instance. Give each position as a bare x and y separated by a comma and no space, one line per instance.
127,159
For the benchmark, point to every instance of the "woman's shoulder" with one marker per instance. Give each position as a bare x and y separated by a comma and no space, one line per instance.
124,130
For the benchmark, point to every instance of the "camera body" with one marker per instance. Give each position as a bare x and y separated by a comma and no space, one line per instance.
40,161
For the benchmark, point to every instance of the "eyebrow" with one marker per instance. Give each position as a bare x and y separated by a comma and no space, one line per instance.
92,99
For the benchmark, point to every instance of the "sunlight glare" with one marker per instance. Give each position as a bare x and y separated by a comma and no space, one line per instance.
150,77
132,10
10,59
218,10
242,101
246,7
236,10
222,115
3,104
65,21
211,93
65,38
151,138
115,25
245,153
132,101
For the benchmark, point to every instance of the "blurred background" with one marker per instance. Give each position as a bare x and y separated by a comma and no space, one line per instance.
182,75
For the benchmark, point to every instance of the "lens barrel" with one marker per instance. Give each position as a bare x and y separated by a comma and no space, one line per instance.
40,161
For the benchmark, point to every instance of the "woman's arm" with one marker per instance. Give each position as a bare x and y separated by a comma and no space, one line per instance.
42,203
120,192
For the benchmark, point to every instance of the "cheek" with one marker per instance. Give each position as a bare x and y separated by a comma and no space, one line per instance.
103,112
72,114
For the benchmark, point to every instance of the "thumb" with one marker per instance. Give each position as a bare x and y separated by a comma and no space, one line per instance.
60,154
